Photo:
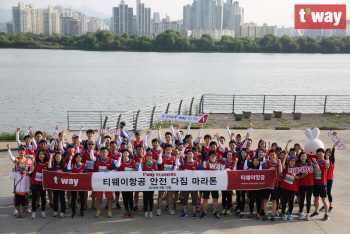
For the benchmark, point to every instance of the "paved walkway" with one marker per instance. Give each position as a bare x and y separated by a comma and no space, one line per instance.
338,222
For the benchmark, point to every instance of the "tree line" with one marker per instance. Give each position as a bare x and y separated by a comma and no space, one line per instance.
173,41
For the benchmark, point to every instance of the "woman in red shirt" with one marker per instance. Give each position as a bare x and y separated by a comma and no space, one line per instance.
37,167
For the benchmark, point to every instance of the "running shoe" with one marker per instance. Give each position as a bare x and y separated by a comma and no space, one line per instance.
265,217
197,209
136,208
146,215
200,201
150,215
238,212
19,215
290,217
227,212
55,214
184,214
50,205
43,215
330,209
277,213
38,206
300,216
223,212
15,211
174,206
203,215
171,212
250,216
82,214
215,215
194,215
62,215
241,214
131,214
284,217
109,214
97,214
307,217
126,214
85,207
93,206
257,216
33,215
159,212
73,215
28,210
273,218
314,214
322,208
325,218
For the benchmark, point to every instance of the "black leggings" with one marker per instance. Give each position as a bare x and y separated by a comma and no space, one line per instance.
255,196
148,200
128,201
74,198
62,199
329,190
287,196
305,191
226,199
35,196
240,199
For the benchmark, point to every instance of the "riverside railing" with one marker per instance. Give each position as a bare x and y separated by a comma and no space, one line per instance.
210,103
221,103
90,119
145,117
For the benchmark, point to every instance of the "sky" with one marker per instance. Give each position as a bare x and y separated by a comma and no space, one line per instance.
272,12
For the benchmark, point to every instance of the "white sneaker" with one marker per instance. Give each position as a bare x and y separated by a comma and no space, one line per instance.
307,217
43,215
62,215
33,215
300,216
55,214
277,213
150,215
146,215
170,211
28,210
159,212
15,212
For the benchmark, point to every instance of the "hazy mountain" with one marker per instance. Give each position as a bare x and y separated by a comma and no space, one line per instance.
5,15
88,11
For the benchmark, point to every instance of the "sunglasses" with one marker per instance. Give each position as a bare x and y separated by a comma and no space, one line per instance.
212,156
91,144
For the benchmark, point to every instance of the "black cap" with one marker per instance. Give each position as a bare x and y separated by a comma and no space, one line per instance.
22,147
278,148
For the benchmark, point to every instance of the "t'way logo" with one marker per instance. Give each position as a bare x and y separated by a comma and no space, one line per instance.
66,181
320,16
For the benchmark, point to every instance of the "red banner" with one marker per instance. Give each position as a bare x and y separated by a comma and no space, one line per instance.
251,179
67,181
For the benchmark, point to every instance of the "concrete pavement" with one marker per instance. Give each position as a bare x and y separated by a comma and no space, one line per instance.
339,218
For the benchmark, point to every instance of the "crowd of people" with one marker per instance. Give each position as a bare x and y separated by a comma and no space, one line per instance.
298,175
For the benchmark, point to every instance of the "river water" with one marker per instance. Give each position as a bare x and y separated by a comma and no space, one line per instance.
38,87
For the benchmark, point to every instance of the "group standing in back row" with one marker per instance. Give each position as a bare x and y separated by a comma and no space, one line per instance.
298,174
